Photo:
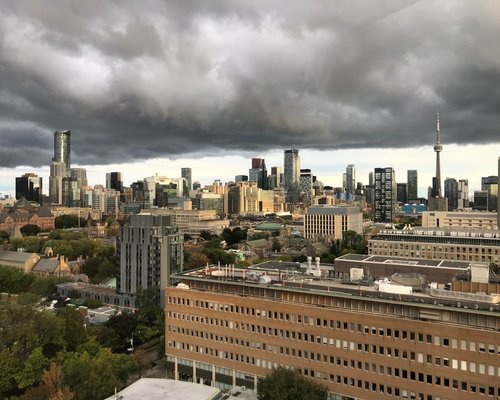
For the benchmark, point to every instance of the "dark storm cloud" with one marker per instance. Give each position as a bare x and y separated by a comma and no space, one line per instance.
135,80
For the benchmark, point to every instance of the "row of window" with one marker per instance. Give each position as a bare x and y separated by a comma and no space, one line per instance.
446,362
350,381
401,334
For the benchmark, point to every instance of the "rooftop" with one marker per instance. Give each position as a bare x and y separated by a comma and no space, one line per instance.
160,389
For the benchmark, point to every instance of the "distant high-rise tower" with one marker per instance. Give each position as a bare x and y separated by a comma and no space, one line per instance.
114,180
60,166
438,148
463,194
186,174
62,148
451,193
258,173
350,181
436,201
385,194
412,181
292,168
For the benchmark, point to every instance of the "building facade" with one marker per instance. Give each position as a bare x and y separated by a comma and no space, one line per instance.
291,173
225,330
30,187
438,243
385,194
149,251
412,181
330,222
350,179
459,219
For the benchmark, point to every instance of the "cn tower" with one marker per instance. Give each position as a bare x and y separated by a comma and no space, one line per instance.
438,148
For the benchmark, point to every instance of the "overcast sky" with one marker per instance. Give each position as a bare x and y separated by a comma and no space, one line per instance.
142,82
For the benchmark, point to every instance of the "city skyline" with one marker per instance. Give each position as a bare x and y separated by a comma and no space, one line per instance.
186,79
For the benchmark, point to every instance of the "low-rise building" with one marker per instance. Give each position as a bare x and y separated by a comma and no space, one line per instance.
459,219
330,222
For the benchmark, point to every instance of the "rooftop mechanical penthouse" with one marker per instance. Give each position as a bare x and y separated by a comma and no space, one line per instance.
228,325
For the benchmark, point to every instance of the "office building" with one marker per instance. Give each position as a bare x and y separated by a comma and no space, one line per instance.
490,184
80,174
247,198
226,325
30,187
412,182
330,222
481,198
291,169
258,173
385,194
277,180
305,185
107,201
71,196
350,179
57,173
241,178
460,244
401,193
451,193
186,173
114,180
149,251
459,219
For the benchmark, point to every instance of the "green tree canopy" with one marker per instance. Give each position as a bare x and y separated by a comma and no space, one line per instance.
30,230
288,384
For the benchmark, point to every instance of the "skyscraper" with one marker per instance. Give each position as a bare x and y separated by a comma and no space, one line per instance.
451,193
60,166
29,186
258,173
292,168
114,180
186,174
385,194
350,181
412,181
463,194
62,148
402,193
490,184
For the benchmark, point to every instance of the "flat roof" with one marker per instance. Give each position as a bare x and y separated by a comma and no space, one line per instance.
422,262
160,389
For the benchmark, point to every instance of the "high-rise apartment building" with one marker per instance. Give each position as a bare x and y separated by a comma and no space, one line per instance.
186,173
412,182
463,194
62,148
149,251
60,166
291,168
385,194
350,179
277,176
71,196
305,184
80,174
30,187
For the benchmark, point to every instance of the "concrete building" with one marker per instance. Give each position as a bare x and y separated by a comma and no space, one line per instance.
149,251
30,187
330,222
57,173
305,184
192,222
459,219
100,198
385,194
247,198
228,324
438,243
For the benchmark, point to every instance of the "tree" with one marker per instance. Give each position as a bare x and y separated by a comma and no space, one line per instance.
4,235
288,384
51,387
30,230
195,260
276,245
69,221
74,331
32,370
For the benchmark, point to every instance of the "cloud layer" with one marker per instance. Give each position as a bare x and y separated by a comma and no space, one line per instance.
136,80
